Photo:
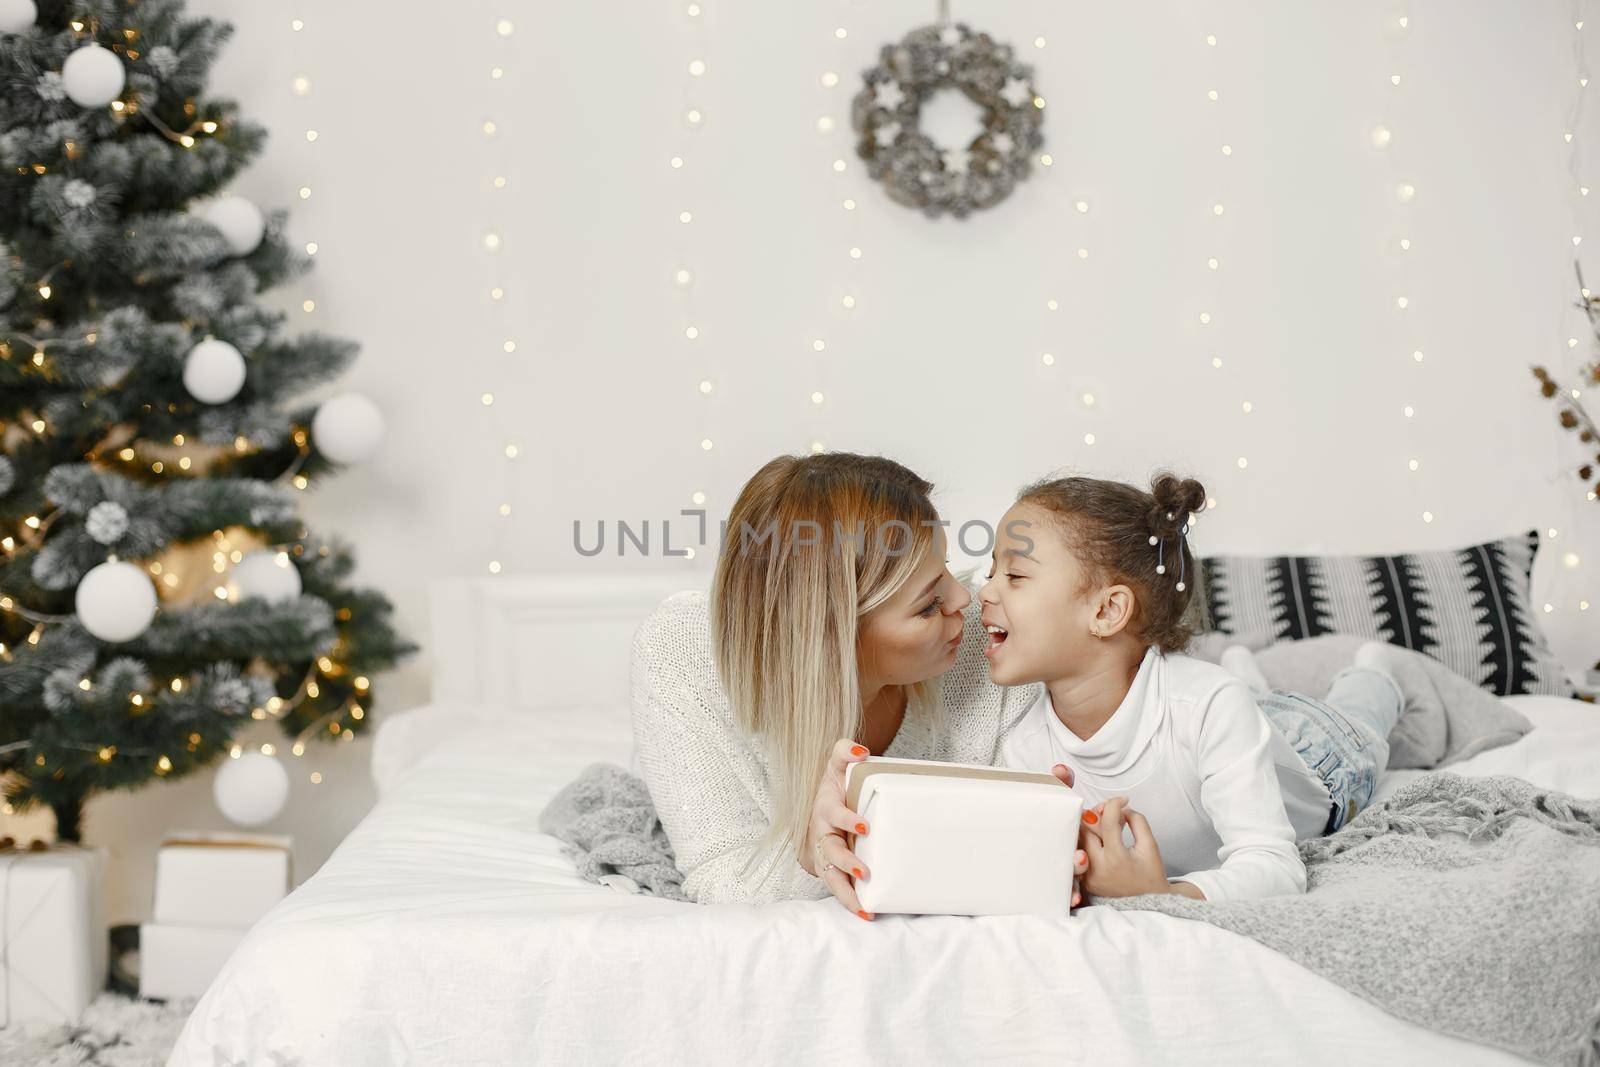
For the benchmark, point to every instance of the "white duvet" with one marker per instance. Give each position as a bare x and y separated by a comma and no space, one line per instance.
447,930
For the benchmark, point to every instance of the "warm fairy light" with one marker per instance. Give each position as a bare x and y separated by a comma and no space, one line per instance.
163,765
1047,359
511,451
361,682
235,752
83,683
505,27
107,752
316,777
268,750
313,690
706,444
505,509
137,700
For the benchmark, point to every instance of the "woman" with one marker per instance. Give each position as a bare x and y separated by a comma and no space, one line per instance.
836,631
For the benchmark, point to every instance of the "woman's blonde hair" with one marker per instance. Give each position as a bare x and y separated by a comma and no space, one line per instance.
812,545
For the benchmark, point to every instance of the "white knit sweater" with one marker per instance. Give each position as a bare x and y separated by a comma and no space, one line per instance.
711,782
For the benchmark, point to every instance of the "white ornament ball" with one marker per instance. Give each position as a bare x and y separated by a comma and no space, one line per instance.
266,574
93,76
347,428
17,15
251,789
213,371
239,220
116,601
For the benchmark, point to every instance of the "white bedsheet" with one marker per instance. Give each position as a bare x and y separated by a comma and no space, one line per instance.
446,930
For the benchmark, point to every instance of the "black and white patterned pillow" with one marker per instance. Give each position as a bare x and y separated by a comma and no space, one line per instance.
1468,608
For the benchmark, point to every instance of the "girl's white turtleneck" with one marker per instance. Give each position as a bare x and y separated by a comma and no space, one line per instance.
1190,749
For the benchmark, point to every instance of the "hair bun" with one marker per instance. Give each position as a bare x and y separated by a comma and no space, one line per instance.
1175,499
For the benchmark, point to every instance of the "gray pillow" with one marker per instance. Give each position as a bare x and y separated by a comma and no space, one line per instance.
1447,718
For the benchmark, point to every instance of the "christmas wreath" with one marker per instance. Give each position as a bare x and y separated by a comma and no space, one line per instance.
912,167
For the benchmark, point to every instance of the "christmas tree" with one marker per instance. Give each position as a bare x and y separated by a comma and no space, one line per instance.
158,592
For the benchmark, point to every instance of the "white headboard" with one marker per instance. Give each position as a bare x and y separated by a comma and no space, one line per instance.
541,641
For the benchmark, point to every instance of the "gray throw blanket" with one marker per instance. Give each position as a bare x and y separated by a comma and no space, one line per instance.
609,823
1468,905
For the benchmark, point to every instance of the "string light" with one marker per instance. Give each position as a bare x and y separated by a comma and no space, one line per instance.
1566,585
1381,138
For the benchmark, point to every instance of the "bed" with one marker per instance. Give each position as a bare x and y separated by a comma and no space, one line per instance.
447,930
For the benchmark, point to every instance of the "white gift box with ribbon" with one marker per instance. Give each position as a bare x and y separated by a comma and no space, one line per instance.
53,950
962,839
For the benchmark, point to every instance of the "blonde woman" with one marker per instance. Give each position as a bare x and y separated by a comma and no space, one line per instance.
833,630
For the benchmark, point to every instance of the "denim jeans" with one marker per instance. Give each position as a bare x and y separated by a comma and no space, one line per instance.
1342,738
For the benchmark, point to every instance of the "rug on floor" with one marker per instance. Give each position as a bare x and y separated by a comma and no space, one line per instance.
115,1031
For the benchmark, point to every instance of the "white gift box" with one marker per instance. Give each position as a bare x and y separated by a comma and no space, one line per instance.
178,960
219,879
53,932
962,839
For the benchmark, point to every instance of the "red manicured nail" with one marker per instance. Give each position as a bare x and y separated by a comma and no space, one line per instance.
858,750
856,871
1081,857
861,827
1090,817
864,915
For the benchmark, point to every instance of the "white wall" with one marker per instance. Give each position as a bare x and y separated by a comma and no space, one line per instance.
940,363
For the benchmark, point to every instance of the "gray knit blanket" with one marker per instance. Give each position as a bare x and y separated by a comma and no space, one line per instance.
1470,906
609,824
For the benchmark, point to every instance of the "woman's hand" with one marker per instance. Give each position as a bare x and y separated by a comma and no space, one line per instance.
1115,870
830,821
1080,859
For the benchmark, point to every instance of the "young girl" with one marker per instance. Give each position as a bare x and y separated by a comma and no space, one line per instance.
1088,594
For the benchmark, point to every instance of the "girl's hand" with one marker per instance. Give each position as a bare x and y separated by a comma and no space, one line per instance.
1115,870
1080,859
830,821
